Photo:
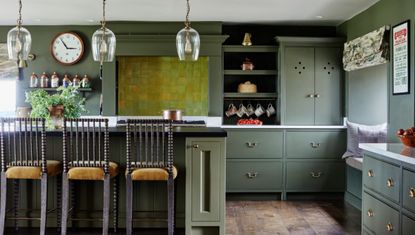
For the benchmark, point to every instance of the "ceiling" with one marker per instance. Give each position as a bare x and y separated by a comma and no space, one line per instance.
88,12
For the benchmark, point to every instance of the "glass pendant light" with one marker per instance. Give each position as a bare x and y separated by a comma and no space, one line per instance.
188,41
19,42
103,42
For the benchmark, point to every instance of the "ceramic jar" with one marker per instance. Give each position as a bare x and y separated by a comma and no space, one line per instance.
85,83
76,81
34,80
54,80
44,80
66,81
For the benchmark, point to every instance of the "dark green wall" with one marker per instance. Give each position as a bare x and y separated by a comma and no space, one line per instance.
385,12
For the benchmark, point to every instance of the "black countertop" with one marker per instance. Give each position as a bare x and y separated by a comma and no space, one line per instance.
177,132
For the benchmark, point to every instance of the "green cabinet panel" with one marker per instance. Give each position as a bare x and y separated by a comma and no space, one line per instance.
382,177
254,144
253,175
408,225
298,67
206,159
328,70
315,176
408,190
377,216
315,144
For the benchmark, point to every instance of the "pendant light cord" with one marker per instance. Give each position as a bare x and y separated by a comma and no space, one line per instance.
187,23
103,23
19,20
103,14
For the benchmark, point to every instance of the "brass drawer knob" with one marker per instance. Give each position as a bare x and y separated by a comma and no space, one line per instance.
252,175
412,192
370,213
310,96
370,173
316,175
390,183
251,144
315,145
389,227
317,95
195,146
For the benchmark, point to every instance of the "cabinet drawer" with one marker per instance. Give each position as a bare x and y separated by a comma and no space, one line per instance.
408,225
408,183
315,176
253,176
381,177
320,144
379,217
254,144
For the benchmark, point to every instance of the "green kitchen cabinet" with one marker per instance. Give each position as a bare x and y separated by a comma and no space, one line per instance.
254,144
408,225
310,76
408,192
205,185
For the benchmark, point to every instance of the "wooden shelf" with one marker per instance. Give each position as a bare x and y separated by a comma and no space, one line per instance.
250,95
237,48
55,89
250,72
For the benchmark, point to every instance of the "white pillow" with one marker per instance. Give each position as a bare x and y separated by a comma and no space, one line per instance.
358,133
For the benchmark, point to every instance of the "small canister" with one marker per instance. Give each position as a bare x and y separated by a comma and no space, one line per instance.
66,81
34,80
44,80
85,83
54,80
76,81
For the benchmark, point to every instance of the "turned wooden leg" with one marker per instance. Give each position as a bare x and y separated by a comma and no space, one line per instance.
115,203
16,187
106,206
3,197
43,203
170,205
65,202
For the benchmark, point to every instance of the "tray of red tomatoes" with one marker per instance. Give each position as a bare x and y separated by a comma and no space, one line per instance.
249,122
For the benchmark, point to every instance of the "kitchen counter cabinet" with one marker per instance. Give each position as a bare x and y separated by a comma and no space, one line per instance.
200,184
388,189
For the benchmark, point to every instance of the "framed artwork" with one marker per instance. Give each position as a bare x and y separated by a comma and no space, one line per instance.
8,68
401,59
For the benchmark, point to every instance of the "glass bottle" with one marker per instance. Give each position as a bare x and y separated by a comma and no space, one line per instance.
66,81
85,83
44,80
54,80
76,81
34,80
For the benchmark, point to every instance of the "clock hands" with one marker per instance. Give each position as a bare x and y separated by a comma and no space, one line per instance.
64,43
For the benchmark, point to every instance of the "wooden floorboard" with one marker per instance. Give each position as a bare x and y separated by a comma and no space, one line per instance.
267,218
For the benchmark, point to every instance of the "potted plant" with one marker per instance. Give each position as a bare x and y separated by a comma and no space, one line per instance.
67,102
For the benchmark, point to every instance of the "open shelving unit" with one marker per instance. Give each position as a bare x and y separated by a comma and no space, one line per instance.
264,76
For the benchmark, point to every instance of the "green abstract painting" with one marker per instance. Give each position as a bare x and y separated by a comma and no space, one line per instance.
148,85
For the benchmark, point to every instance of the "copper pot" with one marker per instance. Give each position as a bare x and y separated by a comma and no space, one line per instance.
172,114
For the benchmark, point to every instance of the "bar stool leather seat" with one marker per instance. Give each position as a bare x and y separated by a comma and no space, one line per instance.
34,172
152,174
92,173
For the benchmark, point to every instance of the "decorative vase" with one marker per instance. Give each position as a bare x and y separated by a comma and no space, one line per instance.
56,113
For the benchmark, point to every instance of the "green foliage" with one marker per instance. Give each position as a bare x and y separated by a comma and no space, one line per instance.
40,100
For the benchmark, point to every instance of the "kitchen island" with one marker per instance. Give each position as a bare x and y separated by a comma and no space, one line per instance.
388,189
199,155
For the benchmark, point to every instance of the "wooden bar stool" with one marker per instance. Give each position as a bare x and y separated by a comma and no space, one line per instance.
23,156
86,157
150,158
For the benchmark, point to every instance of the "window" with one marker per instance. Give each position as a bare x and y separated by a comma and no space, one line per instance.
7,98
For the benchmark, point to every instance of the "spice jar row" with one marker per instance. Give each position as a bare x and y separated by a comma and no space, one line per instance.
55,81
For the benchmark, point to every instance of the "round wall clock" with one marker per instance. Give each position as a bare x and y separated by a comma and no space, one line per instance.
67,48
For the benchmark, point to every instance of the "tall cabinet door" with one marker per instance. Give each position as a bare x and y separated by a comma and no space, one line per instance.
327,86
299,85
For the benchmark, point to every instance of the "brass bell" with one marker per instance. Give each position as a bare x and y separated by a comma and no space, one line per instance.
247,40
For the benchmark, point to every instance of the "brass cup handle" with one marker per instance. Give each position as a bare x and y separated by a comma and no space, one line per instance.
251,144
390,183
389,227
412,192
316,175
370,173
252,175
315,145
195,146
370,213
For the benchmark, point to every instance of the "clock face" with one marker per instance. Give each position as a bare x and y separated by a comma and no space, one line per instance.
67,48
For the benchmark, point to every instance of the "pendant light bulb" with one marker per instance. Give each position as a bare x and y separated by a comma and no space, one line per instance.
18,46
188,41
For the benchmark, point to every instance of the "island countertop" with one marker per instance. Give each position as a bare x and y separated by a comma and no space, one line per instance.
178,131
395,152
